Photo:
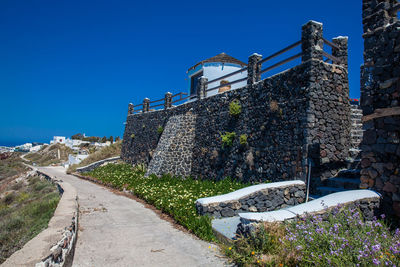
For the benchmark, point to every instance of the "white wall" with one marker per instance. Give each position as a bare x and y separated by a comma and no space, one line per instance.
212,71
59,139
215,70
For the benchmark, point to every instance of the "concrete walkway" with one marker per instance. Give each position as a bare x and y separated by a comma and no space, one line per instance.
118,231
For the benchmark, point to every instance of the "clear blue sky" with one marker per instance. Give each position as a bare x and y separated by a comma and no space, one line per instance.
73,66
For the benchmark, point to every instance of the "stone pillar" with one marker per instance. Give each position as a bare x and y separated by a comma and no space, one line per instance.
380,98
168,100
130,109
254,69
341,53
377,14
312,43
201,88
146,105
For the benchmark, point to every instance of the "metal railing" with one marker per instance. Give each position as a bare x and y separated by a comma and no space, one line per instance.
227,76
309,50
282,62
165,102
329,57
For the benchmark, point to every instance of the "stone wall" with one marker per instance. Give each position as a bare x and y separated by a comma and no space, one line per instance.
96,164
257,198
174,150
380,101
300,113
369,207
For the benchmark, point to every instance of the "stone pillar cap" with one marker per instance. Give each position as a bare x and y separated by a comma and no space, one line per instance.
146,98
341,37
256,54
168,93
130,104
312,22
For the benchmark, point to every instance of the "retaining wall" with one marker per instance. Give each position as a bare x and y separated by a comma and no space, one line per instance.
55,245
257,198
96,164
282,116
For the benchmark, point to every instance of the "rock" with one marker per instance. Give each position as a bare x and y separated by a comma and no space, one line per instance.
252,209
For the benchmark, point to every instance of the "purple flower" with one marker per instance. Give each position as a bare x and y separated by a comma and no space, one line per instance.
376,262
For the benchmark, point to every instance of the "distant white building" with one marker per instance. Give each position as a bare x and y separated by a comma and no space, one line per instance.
74,143
58,140
24,148
35,148
216,67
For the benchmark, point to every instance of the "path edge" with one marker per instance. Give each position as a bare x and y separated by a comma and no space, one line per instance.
55,245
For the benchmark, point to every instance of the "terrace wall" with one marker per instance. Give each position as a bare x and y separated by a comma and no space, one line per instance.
300,113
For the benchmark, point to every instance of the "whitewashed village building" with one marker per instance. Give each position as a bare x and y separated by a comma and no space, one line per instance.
214,68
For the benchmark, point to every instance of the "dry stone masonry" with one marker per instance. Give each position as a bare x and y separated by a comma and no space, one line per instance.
380,101
174,150
288,118
366,200
257,198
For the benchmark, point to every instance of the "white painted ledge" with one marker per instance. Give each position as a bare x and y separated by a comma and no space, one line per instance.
246,191
310,207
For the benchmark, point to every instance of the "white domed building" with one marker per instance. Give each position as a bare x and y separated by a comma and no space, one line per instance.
214,68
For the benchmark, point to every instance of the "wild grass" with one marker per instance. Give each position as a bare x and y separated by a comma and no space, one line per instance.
11,166
106,152
173,195
25,213
49,155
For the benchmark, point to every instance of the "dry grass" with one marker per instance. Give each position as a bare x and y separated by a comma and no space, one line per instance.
49,155
104,153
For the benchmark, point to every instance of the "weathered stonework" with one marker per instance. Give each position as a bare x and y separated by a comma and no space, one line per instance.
298,114
174,150
380,94
261,198
96,164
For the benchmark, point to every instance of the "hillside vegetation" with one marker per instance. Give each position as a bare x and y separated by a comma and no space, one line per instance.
11,165
106,152
48,155
26,207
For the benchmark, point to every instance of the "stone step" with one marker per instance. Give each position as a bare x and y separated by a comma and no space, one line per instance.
341,182
326,190
225,229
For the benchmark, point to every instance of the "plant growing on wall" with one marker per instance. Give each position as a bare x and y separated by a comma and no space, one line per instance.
235,108
133,136
228,138
243,139
273,105
160,130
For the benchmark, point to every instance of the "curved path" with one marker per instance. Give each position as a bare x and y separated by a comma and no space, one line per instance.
117,231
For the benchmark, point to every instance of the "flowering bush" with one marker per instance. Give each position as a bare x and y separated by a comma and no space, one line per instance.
343,238
339,238
174,196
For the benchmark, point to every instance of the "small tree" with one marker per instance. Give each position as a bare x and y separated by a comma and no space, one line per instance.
103,139
117,139
111,139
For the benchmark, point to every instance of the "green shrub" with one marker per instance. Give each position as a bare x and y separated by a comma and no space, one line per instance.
243,139
228,138
160,130
235,108
133,136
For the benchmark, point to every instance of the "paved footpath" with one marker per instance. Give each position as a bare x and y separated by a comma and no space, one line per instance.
118,231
